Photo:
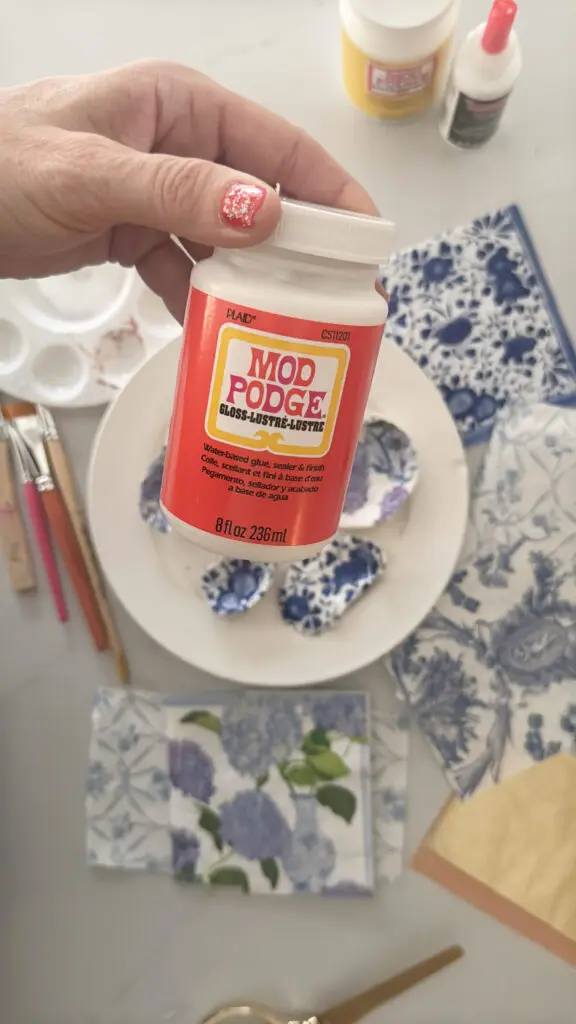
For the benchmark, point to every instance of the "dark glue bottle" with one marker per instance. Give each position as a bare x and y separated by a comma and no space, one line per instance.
483,75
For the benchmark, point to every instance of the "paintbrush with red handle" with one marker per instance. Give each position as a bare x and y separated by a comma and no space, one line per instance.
25,422
27,470
65,481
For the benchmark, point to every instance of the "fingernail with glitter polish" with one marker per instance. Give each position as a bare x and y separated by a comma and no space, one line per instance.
240,204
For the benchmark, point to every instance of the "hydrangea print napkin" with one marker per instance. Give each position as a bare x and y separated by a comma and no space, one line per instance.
491,672
474,310
273,794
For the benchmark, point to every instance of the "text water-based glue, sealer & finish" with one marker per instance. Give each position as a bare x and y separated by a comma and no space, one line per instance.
484,73
395,54
280,344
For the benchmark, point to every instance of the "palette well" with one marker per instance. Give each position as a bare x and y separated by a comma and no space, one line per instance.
75,340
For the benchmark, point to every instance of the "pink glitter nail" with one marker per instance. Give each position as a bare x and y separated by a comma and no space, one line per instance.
240,204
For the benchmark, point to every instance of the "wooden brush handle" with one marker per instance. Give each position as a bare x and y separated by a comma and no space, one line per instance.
65,480
13,539
67,544
68,489
40,527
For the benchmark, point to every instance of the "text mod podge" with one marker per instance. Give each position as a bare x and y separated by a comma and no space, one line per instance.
269,405
278,383
286,384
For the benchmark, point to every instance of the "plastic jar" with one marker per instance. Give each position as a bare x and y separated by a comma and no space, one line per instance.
280,344
395,53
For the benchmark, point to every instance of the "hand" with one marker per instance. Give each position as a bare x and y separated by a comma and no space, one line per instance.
109,166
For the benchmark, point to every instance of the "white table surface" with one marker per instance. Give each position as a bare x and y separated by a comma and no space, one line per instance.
77,947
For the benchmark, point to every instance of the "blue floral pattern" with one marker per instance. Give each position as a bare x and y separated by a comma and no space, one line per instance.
318,591
293,833
490,674
384,474
191,769
474,310
253,825
128,787
149,503
308,854
257,733
343,713
234,585
185,852
390,741
290,810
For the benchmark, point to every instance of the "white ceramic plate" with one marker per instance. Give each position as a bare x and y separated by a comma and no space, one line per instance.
75,340
157,577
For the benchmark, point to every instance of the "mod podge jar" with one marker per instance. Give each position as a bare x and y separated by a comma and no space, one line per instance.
280,344
395,53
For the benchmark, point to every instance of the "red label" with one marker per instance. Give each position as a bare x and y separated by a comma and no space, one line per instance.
400,80
266,418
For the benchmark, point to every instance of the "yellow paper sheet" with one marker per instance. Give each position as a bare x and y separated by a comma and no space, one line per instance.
512,852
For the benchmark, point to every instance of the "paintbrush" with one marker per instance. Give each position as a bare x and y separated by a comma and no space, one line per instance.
27,470
65,481
25,421
13,538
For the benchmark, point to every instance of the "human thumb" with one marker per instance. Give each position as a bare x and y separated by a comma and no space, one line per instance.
190,198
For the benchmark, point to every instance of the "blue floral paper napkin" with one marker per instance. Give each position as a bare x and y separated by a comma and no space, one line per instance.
137,818
491,674
128,786
271,792
474,310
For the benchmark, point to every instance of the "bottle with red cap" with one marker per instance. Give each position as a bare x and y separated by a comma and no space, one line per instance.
483,75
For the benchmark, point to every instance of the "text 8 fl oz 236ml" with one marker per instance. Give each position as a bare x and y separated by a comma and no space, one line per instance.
256,534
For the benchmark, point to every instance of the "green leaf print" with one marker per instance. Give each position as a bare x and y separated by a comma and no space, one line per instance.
230,876
315,742
270,871
205,719
300,775
210,822
328,765
339,800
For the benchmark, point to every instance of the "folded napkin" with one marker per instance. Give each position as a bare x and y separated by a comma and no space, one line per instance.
490,673
474,310
273,794
510,852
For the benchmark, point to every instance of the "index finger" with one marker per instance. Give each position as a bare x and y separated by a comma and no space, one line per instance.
197,117
259,142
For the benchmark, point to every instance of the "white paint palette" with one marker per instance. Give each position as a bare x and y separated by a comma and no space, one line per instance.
77,339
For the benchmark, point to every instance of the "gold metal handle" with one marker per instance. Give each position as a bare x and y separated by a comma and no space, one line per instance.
353,1010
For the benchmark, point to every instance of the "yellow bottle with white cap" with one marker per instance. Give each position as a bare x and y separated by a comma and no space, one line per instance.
395,53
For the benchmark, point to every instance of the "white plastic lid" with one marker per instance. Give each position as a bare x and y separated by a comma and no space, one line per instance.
402,14
333,234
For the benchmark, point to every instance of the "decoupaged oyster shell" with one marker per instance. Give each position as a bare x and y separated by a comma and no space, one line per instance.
384,474
318,591
149,503
234,585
